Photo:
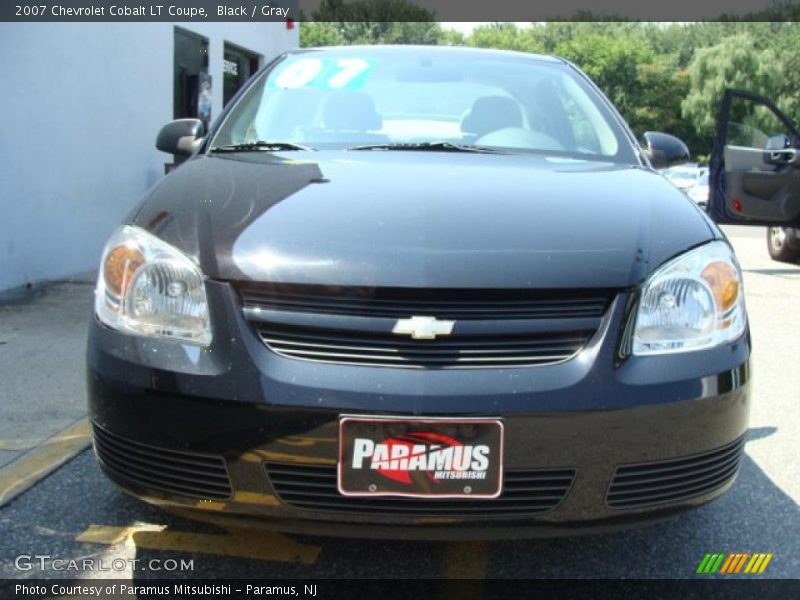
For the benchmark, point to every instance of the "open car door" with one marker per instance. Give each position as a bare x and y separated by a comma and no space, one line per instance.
754,172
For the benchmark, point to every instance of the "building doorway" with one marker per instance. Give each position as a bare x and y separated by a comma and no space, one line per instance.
192,84
238,66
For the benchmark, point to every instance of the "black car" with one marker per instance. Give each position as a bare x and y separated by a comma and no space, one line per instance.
419,292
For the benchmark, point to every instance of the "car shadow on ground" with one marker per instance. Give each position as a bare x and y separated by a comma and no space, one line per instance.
754,516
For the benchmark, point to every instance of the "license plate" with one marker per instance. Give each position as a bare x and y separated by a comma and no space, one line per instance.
420,457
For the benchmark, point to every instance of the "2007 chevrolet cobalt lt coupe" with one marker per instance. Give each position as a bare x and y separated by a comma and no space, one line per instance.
419,292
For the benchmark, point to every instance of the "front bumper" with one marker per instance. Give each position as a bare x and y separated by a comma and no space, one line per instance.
156,404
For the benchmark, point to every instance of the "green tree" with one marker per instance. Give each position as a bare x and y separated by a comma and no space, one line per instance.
663,86
451,37
370,22
549,36
370,32
787,70
735,62
616,66
504,36
320,34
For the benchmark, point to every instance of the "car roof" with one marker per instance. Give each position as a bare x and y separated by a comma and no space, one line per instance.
465,51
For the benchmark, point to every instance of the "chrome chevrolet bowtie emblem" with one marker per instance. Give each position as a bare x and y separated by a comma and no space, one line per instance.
423,328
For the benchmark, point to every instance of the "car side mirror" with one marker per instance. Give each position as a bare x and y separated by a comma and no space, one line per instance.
182,137
778,142
778,151
665,150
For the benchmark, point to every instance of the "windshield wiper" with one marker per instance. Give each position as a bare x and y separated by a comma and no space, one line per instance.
429,147
260,146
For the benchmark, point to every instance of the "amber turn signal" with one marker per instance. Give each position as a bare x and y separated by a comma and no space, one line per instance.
724,283
120,266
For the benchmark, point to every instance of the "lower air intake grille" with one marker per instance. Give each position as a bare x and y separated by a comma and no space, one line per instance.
524,493
186,474
669,481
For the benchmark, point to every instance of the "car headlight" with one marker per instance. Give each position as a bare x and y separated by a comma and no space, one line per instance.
693,302
147,287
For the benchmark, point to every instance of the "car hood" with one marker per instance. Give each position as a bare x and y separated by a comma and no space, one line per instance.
422,219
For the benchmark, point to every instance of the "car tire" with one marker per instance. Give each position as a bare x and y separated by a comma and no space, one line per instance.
780,245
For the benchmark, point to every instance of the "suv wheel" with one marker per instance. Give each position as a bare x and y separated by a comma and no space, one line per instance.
780,244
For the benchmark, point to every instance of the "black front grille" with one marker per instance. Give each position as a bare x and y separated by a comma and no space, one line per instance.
525,492
394,351
668,481
186,474
396,303
492,328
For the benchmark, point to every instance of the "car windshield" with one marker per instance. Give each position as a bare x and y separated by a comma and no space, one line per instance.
437,99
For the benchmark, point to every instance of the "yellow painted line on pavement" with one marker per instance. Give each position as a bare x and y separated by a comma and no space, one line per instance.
256,545
23,472
111,536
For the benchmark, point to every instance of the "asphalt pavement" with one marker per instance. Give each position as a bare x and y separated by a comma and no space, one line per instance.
75,513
